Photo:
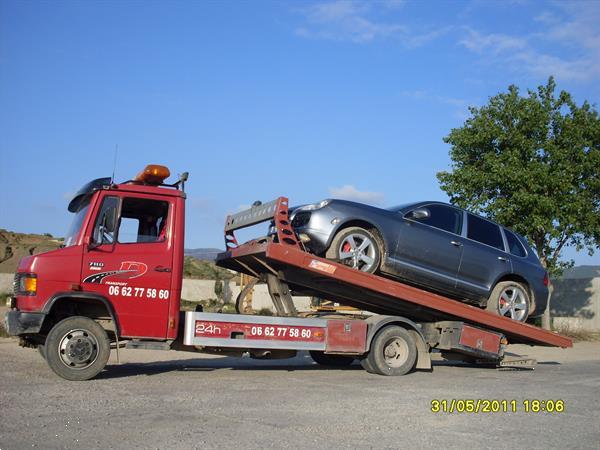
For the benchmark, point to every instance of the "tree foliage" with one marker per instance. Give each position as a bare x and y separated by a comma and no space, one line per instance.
531,163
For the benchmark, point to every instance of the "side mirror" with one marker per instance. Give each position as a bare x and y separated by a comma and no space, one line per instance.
419,214
110,220
105,233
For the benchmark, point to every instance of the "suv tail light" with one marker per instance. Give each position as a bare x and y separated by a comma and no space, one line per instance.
546,279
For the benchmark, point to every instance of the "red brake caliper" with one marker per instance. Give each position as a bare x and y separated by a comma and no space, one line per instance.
346,248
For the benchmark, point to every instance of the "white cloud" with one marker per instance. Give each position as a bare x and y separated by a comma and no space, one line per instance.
349,192
491,43
357,21
460,105
571,29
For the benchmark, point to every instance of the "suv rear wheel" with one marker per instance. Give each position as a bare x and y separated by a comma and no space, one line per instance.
510,299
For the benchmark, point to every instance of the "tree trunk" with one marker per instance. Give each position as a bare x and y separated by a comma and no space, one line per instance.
546,319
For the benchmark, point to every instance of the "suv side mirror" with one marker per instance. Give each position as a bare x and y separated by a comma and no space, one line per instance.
419,214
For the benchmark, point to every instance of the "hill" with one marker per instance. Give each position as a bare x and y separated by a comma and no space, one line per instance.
582,272
13,246
204,254
198,262
204,270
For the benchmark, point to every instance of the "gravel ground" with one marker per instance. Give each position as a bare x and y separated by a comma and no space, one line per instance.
185,400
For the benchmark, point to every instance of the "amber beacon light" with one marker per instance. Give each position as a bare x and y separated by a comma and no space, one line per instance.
153,174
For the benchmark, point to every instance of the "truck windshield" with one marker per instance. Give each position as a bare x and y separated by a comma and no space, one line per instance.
75,227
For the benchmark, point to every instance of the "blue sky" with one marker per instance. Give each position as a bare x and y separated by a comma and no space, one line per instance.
260,99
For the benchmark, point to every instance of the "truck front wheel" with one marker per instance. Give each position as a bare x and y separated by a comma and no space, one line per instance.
77,348
393,352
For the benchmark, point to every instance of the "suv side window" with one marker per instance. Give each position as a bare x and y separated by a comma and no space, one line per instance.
143,221
484,231
515,245
442,217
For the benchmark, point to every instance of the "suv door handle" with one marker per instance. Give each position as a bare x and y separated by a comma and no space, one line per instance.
162,269
502,258
456,243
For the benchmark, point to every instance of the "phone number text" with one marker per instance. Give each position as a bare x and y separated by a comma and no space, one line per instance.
139,292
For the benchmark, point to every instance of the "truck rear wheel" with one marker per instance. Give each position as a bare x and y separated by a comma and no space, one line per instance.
77,348
331,360
393,352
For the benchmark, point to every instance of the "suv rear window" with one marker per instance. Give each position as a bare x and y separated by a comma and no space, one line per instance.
484,231
514,244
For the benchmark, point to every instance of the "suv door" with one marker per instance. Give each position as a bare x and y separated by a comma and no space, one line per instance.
428,251
129,261
483,260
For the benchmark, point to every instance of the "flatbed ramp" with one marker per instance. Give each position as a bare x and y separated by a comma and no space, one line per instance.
307,274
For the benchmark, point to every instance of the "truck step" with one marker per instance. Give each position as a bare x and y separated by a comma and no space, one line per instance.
148,345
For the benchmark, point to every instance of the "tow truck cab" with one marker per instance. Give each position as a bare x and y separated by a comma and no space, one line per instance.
121,263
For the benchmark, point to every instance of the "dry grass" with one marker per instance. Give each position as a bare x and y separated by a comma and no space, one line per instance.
577,334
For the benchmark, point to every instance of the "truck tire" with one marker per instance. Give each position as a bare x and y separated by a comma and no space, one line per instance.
356,247
393,352
331,360
77,348
364,362
510,299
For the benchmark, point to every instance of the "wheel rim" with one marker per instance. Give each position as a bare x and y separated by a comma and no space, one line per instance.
513,303
358,251
78,349
395,352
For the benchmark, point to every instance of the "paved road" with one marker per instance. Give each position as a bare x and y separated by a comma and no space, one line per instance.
185,400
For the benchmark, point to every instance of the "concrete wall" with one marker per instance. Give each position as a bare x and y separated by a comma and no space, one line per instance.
6,282
575,301
196,290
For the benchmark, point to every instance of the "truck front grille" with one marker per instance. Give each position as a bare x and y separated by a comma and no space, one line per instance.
16,283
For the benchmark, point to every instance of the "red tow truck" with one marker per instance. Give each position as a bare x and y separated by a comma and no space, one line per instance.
117,282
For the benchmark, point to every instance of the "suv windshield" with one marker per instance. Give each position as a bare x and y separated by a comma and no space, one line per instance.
75,227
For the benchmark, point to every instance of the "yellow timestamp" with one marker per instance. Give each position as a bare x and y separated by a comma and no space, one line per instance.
487,406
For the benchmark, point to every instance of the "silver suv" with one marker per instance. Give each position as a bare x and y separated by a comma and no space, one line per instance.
433,245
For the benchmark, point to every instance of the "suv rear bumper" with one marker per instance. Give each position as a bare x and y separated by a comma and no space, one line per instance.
19,322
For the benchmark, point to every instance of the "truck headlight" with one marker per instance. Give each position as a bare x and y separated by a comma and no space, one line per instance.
25,284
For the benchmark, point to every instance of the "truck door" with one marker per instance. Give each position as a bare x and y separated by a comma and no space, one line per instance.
129,260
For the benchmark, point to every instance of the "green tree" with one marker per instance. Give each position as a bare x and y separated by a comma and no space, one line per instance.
531,163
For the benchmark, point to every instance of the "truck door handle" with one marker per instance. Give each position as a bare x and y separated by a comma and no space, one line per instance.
502,258
456,243
162,269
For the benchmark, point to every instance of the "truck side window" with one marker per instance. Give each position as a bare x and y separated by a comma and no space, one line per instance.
143,221
105,226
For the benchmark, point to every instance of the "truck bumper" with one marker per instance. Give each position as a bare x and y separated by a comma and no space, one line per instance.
19,322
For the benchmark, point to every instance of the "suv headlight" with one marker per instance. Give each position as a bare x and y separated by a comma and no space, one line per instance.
316,206
25,284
